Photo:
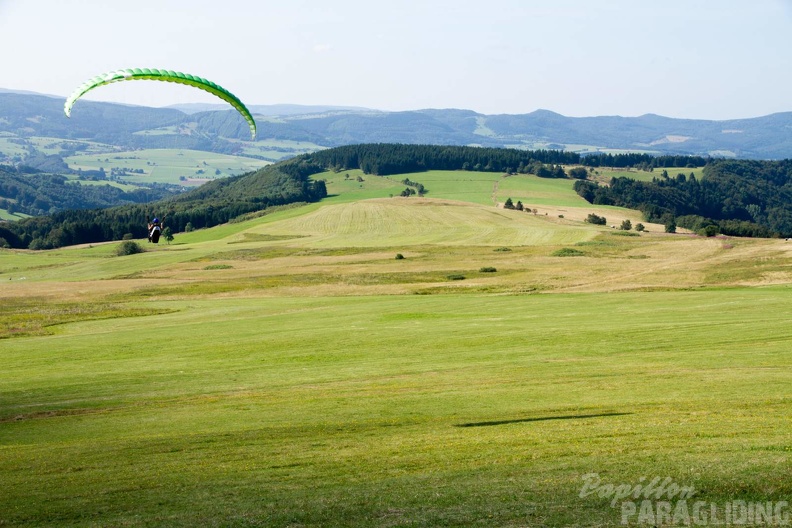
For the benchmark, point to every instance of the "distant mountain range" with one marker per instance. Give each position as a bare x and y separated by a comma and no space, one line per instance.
213,128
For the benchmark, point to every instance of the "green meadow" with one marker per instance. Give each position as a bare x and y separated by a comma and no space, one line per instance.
288,370
176,166
642,175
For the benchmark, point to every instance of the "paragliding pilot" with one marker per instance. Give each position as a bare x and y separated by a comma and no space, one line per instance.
154,230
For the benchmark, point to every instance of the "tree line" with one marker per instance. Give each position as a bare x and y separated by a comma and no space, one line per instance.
384,159
735,197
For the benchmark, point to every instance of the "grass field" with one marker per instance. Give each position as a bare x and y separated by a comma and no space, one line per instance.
290,371
640,175
5,215
168,165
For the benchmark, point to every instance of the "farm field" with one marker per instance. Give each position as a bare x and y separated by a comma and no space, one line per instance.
289,370
167,165
641,175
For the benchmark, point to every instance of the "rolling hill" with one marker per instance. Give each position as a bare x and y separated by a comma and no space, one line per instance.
290,370
25,115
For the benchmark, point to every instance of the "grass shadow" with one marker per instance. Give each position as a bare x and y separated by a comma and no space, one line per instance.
541,419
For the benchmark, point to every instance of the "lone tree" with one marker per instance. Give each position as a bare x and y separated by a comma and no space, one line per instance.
626,225
508,204
168,234
670,226
519,206
639,227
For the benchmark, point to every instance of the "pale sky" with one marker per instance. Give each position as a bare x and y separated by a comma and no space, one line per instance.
703,59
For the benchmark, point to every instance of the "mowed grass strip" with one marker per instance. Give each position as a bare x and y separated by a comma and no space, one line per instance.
416,221
464,410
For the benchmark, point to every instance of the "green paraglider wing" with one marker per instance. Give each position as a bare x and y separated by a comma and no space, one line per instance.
161,75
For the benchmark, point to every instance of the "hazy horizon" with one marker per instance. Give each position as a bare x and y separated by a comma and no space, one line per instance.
681,59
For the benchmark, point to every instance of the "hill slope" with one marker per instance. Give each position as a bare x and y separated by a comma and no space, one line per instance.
415,221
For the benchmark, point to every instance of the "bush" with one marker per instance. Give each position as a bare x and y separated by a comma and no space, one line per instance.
399,256
487,269
596,219
579,173
128,248
128,236
639,227
568,252
502,249
455,276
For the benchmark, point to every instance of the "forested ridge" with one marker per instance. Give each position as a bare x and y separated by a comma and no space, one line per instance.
384,159
734,197
746,198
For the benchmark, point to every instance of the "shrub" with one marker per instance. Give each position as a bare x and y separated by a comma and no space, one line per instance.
399,256
218,266
639,227
128,236
568,252
128,248
455,276
502,249
596,219
487,269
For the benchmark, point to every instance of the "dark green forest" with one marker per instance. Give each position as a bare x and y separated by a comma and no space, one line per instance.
734,197
384,159
28,191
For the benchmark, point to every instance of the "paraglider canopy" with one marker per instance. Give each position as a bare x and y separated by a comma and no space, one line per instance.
153,74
